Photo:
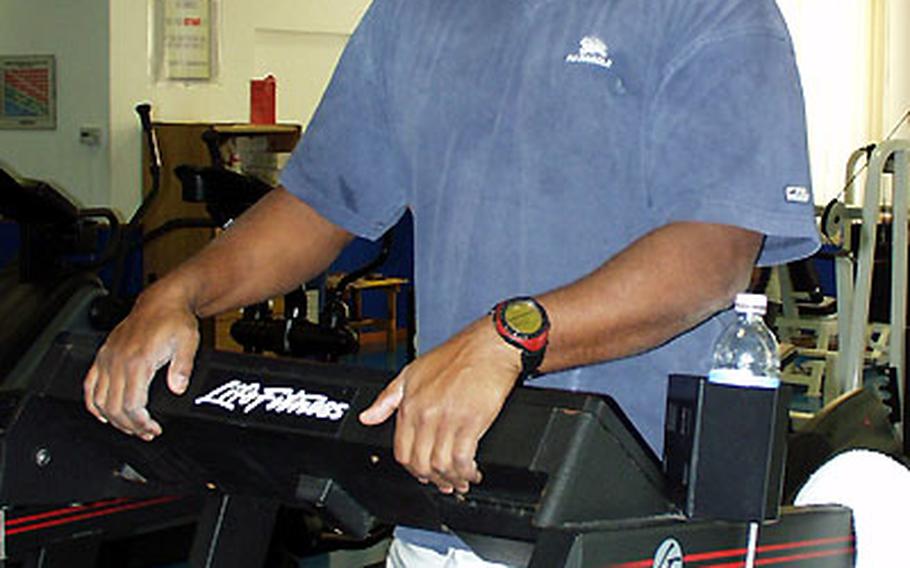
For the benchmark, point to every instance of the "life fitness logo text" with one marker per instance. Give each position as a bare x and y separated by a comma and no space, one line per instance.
237,395
669,554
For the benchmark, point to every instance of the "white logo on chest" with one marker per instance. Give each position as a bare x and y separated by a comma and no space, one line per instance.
591,50
246,397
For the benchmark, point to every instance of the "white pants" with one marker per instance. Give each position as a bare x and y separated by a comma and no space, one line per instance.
407,555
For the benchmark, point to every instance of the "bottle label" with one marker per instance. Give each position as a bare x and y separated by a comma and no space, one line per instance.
742,378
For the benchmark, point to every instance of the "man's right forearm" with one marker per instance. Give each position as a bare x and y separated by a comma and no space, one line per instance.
275,246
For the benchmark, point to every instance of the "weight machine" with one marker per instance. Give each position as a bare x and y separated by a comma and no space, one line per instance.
855,231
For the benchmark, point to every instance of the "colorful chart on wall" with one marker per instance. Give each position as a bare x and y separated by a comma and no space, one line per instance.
28,92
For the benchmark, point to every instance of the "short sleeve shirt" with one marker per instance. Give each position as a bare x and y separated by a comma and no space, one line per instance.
533,140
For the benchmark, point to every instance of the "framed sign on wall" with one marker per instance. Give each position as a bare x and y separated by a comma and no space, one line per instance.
184,40
28,92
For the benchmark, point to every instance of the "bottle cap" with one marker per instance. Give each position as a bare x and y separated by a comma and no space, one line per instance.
751,303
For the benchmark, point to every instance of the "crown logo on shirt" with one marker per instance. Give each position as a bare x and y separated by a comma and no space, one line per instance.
591,50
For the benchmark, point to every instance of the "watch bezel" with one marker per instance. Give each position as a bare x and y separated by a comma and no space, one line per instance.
532,342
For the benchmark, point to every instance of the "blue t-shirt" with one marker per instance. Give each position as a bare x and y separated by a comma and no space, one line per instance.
535,139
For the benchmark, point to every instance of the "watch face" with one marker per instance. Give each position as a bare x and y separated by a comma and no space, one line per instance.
523,317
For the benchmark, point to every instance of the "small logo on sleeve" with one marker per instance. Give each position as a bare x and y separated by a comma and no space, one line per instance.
797,194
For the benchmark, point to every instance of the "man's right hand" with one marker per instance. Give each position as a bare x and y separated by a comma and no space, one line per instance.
161,329
274,246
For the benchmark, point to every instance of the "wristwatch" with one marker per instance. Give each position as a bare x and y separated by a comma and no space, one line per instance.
523,323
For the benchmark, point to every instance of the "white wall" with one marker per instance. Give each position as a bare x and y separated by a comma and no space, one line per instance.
897,67
853,57
831,39
299,42
77,34
102,51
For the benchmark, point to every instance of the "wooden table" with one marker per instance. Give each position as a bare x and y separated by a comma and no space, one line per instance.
391,285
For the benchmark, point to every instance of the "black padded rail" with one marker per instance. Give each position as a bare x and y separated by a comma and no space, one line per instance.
288,430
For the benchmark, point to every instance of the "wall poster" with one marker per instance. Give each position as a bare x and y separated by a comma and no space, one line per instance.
28,92
184,40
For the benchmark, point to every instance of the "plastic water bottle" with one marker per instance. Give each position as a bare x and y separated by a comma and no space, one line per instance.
745,354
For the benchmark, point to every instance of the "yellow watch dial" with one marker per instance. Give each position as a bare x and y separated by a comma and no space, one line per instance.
523,317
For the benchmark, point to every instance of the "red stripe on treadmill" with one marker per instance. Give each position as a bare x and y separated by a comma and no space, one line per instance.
713,555
847,550
63,511
92,514
811,542
701,557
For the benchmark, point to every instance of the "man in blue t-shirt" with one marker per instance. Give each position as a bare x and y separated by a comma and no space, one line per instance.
621,165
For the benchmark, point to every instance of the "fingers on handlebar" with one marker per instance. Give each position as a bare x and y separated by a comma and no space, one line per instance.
119,393
181,367
89,388
132,414
116,388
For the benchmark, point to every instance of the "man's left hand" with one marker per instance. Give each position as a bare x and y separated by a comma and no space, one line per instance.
445,402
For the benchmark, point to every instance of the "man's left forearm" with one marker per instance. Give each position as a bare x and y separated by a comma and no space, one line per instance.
661,285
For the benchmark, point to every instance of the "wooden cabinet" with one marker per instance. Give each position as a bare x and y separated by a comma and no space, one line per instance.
182,143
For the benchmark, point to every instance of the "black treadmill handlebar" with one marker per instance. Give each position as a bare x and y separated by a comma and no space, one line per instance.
288,430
